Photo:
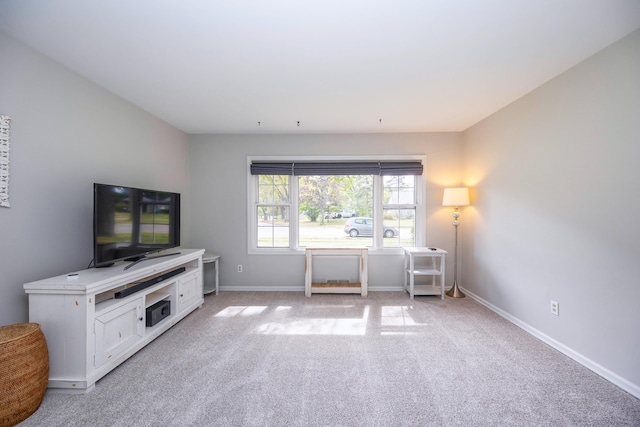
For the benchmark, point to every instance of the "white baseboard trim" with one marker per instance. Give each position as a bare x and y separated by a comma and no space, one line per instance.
261,288
605,373
296,289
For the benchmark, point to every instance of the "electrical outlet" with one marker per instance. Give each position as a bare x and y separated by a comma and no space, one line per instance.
239,268
555,308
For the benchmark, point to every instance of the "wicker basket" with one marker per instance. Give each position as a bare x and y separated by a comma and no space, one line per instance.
24,371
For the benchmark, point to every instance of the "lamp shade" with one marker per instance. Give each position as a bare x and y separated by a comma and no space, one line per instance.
455,197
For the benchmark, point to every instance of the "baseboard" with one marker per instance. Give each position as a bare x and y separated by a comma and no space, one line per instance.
261,288
605,373
297,289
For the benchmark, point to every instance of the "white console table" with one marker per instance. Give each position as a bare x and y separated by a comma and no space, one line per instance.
336,288
419,261
90,331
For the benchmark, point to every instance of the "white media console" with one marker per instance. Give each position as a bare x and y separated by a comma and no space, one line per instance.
91,328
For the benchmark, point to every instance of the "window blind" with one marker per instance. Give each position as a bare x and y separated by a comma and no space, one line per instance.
337,168
401,168
271,168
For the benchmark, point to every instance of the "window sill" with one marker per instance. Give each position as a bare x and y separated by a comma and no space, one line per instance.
301,251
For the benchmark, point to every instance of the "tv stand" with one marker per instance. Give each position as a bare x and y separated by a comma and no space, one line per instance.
89,331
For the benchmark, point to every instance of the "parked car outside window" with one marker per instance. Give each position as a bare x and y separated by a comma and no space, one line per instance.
345,213
361,226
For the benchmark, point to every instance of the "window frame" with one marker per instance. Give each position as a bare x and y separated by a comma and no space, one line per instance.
252,203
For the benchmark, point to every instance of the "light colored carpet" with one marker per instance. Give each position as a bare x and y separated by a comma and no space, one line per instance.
281,359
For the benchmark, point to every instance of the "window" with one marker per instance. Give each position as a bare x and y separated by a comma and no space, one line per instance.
320,202
327,203
399,210
273,211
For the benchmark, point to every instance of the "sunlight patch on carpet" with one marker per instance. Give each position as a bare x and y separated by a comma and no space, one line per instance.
246,310
317,326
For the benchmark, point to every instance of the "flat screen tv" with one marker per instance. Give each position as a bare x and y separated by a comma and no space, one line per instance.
131,223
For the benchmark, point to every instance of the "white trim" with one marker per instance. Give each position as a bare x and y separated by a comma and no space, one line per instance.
605,373
251,230
298,289
262,288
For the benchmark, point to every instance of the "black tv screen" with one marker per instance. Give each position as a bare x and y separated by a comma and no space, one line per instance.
129,223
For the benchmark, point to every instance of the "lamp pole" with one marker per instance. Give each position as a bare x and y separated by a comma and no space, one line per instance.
455,292
455,197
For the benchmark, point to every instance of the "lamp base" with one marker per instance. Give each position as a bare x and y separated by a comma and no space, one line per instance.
455,292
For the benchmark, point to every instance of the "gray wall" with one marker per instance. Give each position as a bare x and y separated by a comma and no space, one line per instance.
67,133
219,205
555,201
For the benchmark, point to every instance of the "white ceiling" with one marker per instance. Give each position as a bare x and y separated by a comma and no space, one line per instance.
214,66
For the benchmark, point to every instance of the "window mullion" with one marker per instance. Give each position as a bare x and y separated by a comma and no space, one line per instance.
294,220
377,210
421,211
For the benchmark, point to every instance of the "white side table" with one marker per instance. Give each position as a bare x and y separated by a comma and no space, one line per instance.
424,262
208,258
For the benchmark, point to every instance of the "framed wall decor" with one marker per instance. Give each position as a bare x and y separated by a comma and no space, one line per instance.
5,122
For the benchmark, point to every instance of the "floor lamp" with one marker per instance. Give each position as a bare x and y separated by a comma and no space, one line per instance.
455,197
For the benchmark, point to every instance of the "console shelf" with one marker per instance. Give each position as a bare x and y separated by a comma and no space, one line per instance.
155,297
89,331
339,287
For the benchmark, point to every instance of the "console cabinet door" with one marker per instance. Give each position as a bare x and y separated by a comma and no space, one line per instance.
187,291
118,330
